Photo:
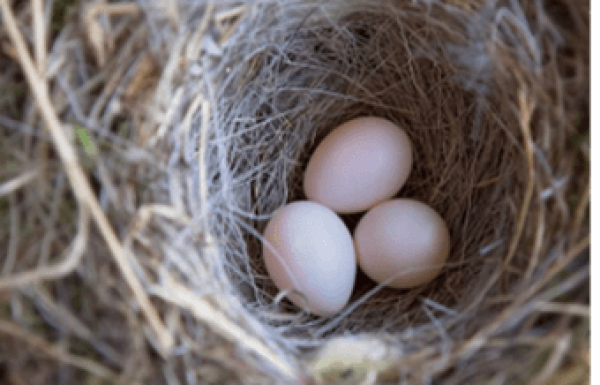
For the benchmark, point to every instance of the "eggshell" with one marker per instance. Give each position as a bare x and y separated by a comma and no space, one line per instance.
308,248
359,164
402,238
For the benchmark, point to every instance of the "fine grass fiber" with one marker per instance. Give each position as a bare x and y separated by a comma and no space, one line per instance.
144,145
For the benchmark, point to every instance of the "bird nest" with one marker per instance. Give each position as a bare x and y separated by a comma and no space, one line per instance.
146,146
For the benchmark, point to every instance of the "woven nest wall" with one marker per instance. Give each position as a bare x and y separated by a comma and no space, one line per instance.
145,145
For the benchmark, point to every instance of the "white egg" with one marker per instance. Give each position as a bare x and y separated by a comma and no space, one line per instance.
402,240
363,162
308,250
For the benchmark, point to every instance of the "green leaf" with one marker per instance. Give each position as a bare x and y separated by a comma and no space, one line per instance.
85,140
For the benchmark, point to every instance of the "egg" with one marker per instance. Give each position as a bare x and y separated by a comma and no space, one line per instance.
309,251
403,240
363,162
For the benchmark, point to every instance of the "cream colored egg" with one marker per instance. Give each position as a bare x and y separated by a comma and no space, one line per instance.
404,240
308,249
361,163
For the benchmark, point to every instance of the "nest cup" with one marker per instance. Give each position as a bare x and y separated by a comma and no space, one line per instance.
494,97
477,102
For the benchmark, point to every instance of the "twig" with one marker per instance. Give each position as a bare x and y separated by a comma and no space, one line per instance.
50,234
479,340
575,309
16,183
41,345
13,241
527,112
174,13
117,74
96,34
168,119
164,86
40,36
69,323
559,266
196,42
219,323
59,270
527,108
79,182
582,207
202,146
113,9
557,357
229,32
230,13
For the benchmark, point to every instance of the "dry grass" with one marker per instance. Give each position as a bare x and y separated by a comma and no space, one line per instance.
146,143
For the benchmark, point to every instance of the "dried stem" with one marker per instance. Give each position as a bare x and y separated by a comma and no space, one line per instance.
79,182
40,345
